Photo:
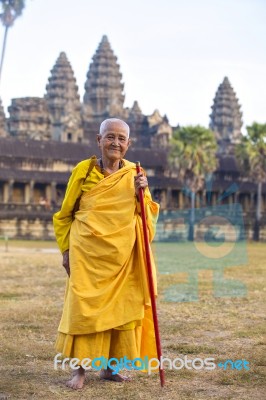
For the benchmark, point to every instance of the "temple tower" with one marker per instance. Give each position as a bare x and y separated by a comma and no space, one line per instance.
63,102
104,95
29,119
226,116
159,129
137,123
3,127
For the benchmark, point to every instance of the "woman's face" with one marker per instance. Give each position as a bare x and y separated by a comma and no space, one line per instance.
114,141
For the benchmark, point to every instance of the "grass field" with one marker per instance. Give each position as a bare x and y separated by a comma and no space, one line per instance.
31,298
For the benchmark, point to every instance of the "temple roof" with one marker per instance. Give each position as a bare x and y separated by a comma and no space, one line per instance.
42,150
12,151
75,152
225,119
71,153
39,176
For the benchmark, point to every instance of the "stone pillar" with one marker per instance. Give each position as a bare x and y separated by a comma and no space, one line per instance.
53,193
168,198
197,198
27,193
10,190
48,193
164,199
213,198
204,200
252,202
32,183
180,200
246,203
5,192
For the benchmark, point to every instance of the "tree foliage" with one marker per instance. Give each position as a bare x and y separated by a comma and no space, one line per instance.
251,152
11,9
251,156
193,155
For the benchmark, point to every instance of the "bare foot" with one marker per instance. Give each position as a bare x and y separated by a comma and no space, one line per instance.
77,380
107,374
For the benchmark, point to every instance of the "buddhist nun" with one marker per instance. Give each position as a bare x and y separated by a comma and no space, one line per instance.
107,310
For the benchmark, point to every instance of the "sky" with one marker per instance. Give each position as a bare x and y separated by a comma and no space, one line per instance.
173,54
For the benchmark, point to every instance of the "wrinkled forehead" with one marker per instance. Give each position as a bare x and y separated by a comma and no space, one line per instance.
116,127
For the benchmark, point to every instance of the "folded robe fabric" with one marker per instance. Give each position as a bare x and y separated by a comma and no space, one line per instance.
108,285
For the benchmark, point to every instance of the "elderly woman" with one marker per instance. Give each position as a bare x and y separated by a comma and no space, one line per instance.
107,309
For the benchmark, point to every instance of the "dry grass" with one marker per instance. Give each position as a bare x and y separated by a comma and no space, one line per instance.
31,294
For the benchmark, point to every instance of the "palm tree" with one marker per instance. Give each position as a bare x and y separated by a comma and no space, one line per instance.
251,156
11,9
193,155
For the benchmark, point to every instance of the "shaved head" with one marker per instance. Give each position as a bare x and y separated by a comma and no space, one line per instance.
107,122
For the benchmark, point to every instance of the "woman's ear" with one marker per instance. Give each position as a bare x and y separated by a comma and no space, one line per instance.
129,142
98,139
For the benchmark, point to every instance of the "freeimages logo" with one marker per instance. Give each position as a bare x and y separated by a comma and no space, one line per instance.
219,242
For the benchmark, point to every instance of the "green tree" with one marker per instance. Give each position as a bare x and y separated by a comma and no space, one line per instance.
11,9
251,156
193,155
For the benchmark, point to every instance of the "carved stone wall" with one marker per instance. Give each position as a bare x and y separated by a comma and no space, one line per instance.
27,228
29,118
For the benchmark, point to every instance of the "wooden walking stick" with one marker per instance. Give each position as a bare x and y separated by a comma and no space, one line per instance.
150,277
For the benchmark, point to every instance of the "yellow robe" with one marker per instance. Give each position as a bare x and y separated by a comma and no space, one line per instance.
107,305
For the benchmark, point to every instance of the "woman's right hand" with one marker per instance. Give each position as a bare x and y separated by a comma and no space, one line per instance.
65,262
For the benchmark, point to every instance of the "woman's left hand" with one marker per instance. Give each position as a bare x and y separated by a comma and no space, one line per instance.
140,181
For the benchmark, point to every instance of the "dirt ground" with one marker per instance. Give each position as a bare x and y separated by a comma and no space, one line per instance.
31,298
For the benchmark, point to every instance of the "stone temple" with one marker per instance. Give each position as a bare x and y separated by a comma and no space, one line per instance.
226,117
42,139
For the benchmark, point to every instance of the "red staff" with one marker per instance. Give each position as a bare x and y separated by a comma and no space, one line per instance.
150,277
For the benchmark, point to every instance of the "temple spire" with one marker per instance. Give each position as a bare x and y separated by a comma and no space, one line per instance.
104,95
64,102
226,116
